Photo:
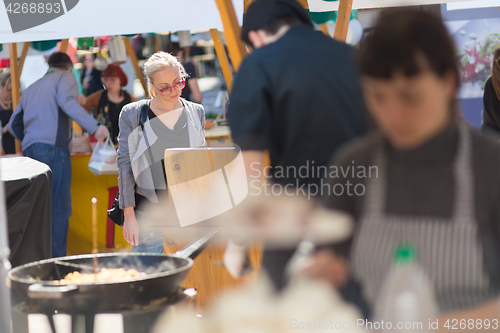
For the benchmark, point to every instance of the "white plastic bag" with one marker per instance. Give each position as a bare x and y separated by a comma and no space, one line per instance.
103,159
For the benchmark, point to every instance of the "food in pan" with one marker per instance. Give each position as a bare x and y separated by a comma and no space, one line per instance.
104,275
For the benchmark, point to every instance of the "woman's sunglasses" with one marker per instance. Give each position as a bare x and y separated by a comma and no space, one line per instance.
167,90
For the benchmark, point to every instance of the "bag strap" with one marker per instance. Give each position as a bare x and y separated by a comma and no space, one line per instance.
143,117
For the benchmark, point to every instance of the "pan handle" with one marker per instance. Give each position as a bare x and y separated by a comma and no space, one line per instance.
52,292
193,249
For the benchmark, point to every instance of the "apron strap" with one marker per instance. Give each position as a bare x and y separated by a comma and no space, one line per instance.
464,205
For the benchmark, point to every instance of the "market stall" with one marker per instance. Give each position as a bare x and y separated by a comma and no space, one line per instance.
86,185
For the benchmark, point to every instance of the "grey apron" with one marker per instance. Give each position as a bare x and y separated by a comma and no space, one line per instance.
448,249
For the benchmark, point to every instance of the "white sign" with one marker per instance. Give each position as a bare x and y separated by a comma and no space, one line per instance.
473,4
326,6
87,18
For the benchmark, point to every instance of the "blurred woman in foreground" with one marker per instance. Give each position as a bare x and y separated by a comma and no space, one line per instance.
436,185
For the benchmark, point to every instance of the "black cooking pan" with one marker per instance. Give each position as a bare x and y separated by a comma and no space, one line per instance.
35,283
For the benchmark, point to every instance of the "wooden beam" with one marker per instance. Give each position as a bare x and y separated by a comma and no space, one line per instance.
324,29
223,60
343,18
232,32
157,43
246,4
135,63
24,53
304,3
64,45
15,82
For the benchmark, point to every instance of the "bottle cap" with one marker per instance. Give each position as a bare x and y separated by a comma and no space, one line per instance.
405,254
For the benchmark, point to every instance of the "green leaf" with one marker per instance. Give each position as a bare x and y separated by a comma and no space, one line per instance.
493,47
485,48
464,61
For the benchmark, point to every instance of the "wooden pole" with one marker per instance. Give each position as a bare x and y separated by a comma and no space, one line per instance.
246,4
64,45
24,53
157,43
232,32
15,82
304,3
94,234
343,18
135,63
324,29
223,60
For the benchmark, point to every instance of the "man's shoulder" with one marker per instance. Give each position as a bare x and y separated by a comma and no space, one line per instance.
300,45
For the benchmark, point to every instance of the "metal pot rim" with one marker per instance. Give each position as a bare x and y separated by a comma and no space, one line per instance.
110,254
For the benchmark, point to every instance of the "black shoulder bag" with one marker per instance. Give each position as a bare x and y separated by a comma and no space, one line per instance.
116,213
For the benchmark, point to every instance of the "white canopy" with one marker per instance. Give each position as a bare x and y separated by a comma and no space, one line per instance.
119,17
325,6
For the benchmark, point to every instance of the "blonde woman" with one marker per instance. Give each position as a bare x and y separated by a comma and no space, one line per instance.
171,122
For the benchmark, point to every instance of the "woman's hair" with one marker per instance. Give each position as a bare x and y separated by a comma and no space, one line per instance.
115,71
5,82
495,78
399,41
158,62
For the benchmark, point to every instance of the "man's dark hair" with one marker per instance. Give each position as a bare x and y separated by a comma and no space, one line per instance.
271,15
174,48
60,60
403,37
274,25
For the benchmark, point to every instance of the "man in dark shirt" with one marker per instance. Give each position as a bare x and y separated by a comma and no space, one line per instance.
91,77
191,91
298,97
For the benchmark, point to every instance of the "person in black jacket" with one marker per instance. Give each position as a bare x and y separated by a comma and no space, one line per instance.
297,96
90,76
491,111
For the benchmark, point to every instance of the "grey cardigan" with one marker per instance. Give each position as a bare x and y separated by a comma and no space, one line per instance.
134,174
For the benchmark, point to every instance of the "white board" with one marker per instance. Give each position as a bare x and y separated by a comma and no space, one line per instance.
116,17
325,6
473,4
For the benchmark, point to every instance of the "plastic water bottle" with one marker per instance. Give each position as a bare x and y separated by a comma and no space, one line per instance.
406,302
